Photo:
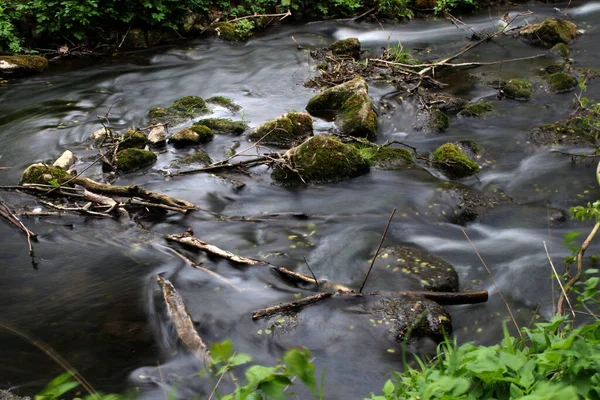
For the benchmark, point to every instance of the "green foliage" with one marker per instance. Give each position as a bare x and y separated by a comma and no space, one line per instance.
395,9
548,365
9,39
62,384
442,6
243,29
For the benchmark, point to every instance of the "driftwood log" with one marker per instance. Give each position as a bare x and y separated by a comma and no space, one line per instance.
183,321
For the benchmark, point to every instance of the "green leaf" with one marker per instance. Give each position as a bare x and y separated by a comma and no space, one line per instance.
221,351
257,374
298,362
239,359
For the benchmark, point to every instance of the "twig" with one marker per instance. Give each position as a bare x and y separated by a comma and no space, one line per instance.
558,279
312,273
495,285
125,36
282,15
574,279
377,252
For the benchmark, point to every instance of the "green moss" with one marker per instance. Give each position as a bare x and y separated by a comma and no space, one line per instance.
132,159
518,89
551,31
133,139
224,102
346,48
576,130
284,131
561,50
21,64
224,125
199,157
477,109
322,159
471,146
226,30
439,120
181,110
195,134
452,160
45,175
386,157
561,82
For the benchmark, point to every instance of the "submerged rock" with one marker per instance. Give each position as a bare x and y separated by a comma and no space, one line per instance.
157,136
561,82
65,161
576,130
386,157
198,158
411,319
285,131
430,272
351,106
432,120
460,205
477,109
181,110
320,159
195,134
44,174
21,65
346,48
224,102
550,32
561,49
133,159
452,160
518,89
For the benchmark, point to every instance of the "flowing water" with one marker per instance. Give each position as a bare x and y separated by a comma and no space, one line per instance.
94,297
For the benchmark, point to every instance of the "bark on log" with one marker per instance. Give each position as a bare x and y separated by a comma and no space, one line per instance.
443,298
183,321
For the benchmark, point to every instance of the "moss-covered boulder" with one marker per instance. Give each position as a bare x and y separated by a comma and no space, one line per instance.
133,159
44,174
224,125
447,103
232,32
225,102
133,139
453,161
386,157
198,158
346,48
578,129
561,82
410,319
398,263
350,105
181,110
561,50
477,109
285,131
195,134
21,65
432,120
320,159
518,89
550,32
192,24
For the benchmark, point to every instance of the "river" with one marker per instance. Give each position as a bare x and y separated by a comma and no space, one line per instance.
94,299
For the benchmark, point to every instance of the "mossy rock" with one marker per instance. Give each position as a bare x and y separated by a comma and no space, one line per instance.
518,89
477,109
231,32
21,65
398,263
198,158
554,68
471,149
195,134
181,110
351,107
576,130
432,120
386,157
451,159
561,82
224,125
550,32
133,159
446,102
285,131
410,319
346,48
225,102
44,175
320,159
133,139
135,39
561,50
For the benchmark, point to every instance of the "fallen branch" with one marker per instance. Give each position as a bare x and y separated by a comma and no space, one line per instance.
183,321
443,298
211,168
